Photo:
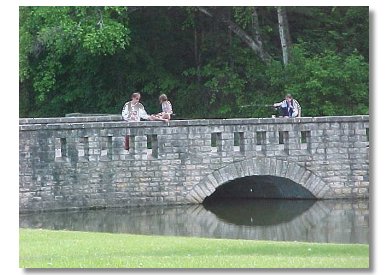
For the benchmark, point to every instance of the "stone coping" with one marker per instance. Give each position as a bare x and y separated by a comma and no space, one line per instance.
115,121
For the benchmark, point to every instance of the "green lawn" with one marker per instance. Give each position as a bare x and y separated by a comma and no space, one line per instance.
65,249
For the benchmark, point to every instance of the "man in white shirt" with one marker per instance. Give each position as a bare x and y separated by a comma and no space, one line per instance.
134,110
289,107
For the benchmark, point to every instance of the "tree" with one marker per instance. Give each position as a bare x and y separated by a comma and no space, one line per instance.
210,61
284,34
326,83
52,36
253,41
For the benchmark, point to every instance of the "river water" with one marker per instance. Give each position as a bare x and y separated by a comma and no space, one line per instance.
328,221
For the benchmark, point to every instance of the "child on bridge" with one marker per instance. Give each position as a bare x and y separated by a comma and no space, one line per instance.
166,113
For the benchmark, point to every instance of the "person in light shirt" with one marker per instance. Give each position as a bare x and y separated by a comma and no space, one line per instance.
166,113
134,110
289,107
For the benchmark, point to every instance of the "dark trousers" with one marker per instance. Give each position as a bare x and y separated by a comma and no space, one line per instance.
285,111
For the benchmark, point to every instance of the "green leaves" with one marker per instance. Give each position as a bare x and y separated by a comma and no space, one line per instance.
90,59
106,39
327,83
243,16
61,28
50,35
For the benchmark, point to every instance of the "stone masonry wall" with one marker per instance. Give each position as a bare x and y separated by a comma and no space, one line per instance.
82,162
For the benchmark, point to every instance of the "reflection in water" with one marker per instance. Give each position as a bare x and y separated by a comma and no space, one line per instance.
313,221
257,212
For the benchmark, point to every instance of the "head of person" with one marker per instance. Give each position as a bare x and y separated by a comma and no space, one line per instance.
135,97
162,98
288,97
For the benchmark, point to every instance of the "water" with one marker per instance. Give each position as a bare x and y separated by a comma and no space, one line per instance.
331,221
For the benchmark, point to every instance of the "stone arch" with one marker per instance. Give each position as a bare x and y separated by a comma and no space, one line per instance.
259,166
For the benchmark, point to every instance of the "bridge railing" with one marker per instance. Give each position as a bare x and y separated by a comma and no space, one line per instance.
268,136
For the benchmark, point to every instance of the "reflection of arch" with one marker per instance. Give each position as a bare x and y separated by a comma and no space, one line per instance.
310,226
259,166
257,212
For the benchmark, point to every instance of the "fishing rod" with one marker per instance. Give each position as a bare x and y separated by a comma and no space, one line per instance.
257,105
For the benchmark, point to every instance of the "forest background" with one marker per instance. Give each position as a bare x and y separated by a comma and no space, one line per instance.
212,62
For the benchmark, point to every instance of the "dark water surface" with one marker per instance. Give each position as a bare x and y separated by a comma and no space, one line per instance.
330,221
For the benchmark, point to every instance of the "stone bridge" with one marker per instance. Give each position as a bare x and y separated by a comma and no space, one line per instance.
101,161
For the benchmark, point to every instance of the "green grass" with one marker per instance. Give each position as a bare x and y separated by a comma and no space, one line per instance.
65,249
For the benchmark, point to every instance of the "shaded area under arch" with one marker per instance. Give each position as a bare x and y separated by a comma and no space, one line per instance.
265,186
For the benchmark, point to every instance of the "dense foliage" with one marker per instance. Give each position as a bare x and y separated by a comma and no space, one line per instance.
90,59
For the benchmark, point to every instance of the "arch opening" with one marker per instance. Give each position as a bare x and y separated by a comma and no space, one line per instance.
273,178
260,187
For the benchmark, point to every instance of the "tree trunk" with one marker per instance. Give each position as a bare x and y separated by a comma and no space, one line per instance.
197,56
256,30
284,34
256,46
230,39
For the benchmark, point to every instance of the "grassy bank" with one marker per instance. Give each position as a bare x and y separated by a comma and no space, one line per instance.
64,249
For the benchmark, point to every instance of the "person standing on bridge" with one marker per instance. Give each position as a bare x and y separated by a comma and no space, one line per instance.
289,107
166,113
134,110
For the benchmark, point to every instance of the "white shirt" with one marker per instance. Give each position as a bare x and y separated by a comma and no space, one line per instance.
296,106
134,111
167,107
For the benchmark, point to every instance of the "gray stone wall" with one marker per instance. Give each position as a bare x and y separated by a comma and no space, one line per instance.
82,162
